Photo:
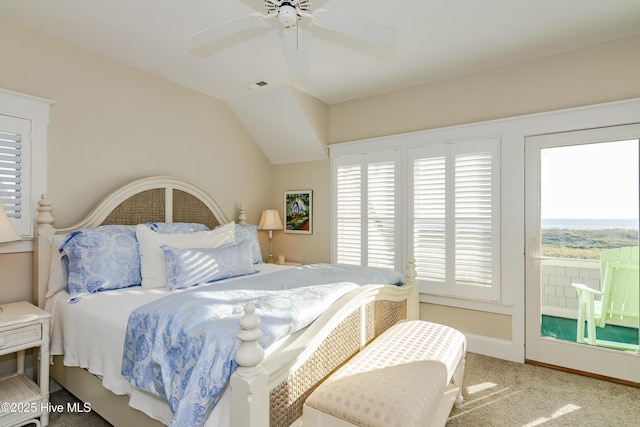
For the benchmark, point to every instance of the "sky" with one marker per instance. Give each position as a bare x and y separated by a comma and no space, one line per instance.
590,181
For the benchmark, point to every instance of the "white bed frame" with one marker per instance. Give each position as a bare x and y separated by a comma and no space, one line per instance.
264,391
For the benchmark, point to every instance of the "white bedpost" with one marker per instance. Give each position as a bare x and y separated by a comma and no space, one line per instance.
413,302
242,214
249,394
42,249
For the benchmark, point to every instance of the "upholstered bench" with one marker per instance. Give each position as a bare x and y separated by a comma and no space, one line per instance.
410,375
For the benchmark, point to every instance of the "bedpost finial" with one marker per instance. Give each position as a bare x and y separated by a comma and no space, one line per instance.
411,273
44,217
242,214
250,353
250,320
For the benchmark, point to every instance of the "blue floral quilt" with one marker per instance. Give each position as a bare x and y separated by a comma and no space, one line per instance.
181,347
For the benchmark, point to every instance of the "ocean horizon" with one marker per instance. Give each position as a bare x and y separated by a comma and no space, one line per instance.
590,223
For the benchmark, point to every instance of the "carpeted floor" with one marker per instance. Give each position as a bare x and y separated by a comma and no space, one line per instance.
73,417
498,393
502,393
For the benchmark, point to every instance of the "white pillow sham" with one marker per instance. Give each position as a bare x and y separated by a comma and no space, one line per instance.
153,265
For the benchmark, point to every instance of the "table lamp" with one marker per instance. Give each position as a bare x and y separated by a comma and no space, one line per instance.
270,220
7,232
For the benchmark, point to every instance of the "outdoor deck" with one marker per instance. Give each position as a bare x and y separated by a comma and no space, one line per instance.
559,303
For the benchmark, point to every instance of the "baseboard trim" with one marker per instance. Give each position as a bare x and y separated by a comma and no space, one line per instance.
583,373
493,347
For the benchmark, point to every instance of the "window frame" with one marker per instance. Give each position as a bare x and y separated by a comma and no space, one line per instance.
402,143
450,287
36,111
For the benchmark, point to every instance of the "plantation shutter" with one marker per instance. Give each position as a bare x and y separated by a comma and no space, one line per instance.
455,222
12,171
476,225
429,216
349,214
381,214
366,210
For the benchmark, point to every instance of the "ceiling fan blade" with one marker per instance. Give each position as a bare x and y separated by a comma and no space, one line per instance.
356,28
295,52
226,29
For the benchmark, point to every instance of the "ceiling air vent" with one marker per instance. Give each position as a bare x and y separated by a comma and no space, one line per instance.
256,85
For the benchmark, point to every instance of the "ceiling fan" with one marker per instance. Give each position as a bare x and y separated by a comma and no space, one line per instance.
288,14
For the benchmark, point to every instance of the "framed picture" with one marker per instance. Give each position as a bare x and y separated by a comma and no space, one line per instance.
297,212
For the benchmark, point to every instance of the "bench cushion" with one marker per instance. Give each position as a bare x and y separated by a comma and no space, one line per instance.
397,380
402,395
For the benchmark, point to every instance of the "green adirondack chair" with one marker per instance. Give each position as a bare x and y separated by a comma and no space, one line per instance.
618,298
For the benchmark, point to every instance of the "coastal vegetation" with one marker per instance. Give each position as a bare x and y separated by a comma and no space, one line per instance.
585,243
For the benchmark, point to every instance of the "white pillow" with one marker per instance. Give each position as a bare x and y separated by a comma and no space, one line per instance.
153,265
57,270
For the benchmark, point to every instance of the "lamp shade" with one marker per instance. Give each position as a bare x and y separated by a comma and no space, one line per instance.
7,232
270,220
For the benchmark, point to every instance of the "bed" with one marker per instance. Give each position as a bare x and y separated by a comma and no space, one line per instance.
268,387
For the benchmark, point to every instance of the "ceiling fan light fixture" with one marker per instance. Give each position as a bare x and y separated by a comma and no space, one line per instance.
287,15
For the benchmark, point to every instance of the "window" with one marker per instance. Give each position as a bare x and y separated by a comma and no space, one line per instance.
455,218
448,208
366,210
12,133
23,160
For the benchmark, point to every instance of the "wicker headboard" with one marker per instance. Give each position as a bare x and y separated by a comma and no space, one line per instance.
154,199
150,205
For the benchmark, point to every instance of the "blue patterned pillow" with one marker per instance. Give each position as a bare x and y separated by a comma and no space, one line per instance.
176,227
250,232
102,258
189,267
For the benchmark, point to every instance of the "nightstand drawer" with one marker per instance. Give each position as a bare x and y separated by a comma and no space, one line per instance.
19,336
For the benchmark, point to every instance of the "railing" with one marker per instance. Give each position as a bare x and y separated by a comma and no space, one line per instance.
557,297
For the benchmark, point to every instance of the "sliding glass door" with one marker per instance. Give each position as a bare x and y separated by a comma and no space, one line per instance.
582,206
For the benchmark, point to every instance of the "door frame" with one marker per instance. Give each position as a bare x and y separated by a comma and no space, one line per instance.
572,355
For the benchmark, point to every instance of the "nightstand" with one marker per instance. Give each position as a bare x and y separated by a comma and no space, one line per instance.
24,326
291,263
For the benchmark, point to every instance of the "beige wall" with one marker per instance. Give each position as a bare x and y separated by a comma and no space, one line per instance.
313,176
492,325
591,75
111,124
